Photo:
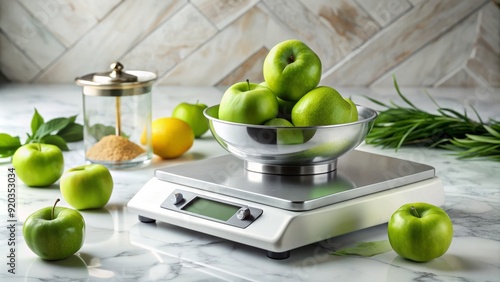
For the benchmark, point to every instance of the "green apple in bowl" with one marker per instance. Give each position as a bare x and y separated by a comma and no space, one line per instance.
192,114
420,231
285,109
38,165
286,136
354,109
323,106
87,186
54,233
291,69
248,103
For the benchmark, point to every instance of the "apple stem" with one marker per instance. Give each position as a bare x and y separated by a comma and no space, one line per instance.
53,208
415,212
248,84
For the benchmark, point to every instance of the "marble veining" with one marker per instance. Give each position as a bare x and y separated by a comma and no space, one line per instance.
120,248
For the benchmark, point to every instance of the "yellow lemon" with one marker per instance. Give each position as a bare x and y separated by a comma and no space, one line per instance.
171,137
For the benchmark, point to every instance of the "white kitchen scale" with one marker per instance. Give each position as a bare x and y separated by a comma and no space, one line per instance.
222,197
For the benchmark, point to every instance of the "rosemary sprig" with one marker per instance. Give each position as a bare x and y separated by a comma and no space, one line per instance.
398,126
486,145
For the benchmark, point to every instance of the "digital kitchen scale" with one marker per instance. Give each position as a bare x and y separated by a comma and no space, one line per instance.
278,213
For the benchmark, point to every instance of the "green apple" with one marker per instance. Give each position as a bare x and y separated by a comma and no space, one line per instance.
87,186
38,165
284,107
420,231
212,112
192,114
354,109
322,106
286,136
291,69
248,103
54,233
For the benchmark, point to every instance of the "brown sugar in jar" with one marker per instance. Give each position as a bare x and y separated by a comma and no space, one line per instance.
114,148
117,102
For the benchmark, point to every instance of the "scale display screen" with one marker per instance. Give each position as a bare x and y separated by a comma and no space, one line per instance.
212,209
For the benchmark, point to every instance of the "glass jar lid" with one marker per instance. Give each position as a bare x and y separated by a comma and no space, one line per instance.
117,82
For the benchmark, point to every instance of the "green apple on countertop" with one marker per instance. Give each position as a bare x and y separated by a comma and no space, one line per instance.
54,233
291,69
87,186
420,231
248,103
192,114
38,165
323,106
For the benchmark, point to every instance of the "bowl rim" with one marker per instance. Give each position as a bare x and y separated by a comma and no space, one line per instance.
373,115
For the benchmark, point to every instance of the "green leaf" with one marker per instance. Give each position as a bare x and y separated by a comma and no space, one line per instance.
401,94
432,99
376,102
73,132
452,112
8,145
477,114
406,135
366,249
484,139
51,126
55,140
36,121
28,140
492,131
72,119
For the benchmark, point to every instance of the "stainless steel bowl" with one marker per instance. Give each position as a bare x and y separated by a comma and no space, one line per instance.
266,149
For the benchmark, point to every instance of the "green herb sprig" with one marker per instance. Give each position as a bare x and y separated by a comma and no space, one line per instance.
398,126
57,131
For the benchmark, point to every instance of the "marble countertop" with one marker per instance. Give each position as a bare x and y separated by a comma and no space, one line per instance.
119,248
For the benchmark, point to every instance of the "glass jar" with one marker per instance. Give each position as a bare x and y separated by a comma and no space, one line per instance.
117,117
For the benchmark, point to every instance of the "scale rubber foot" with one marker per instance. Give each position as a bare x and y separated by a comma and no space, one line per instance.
146,219
278,255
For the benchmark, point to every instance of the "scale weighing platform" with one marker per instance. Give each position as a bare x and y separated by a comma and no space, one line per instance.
278,213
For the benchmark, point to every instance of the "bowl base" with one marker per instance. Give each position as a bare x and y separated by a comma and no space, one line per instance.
291,169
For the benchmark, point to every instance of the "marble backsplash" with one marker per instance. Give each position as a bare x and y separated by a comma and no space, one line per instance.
216,43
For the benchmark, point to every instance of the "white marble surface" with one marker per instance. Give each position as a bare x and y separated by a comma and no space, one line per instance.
120,248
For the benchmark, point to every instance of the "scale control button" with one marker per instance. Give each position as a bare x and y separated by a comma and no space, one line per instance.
243,213
176,198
